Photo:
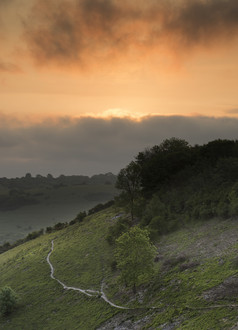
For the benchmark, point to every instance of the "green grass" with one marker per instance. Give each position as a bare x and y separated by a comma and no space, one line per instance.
82,258
180,294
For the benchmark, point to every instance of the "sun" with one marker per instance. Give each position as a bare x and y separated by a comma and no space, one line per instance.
121,113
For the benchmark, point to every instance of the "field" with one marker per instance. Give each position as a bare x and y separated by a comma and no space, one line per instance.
53,205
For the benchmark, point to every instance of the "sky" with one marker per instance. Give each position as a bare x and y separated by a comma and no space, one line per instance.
87,84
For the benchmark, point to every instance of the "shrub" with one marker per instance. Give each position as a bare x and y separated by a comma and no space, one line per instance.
120,227
223,209
160,224
8,300
34,234
72,222
81,216
205,212
5,247
49,230
60,225
154,209
100,207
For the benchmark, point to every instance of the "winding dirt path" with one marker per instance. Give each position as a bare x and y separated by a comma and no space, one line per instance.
101,293
89,293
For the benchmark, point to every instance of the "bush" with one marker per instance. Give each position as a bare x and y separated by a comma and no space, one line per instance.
223,209
35,234
120,227
8,300
49,230
205,212
160,224
81,216
5,247
153,209
60,225
100,207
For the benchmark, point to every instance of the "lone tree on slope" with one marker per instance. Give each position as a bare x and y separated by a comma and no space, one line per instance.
135,255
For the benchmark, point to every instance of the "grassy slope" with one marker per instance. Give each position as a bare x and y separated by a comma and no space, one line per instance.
213,246
77,259
82,258
54,205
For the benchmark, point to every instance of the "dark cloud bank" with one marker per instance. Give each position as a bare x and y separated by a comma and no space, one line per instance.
93,145
81,31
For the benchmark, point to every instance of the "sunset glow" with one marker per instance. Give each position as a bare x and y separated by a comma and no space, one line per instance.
111,59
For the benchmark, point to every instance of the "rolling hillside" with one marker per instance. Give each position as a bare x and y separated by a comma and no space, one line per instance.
195,285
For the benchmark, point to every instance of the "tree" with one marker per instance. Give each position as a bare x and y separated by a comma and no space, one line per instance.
135,255
160,163
174,145
28,176
128,180
8,300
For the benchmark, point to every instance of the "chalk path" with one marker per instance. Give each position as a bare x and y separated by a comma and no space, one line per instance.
88,292
101,294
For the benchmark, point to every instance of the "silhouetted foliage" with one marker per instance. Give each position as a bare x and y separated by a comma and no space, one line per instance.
5,247
79,218
129,181
60,225
181,183
159,163
49,230
28,181
34,234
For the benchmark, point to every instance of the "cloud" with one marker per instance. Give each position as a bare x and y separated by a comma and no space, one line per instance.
232,111
6,2
95,145
85,32
9,67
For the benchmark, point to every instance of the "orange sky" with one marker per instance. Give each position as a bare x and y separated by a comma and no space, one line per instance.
52,65
87,84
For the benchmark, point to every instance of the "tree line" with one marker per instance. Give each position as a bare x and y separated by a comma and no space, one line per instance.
29,181
174,183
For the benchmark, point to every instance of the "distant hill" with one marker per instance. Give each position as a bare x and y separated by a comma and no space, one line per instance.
27,190
31,203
